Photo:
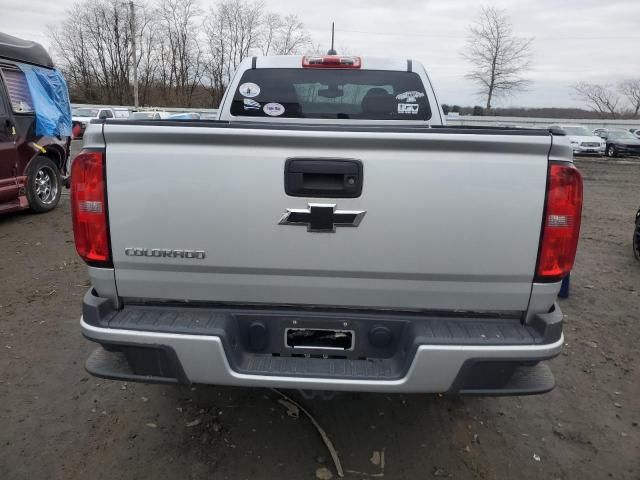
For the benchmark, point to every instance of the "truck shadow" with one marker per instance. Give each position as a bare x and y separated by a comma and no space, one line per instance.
253,433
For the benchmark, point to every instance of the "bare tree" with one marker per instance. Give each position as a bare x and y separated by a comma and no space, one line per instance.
178,63
92,46
600,98
180,50
283,35
93,43
630,89
237,29
233,30
498,57
291,36
70,47
147,52
271,26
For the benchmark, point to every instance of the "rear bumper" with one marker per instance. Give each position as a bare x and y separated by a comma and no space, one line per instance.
438,355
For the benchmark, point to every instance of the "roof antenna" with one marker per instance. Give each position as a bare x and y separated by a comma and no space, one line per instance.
332,51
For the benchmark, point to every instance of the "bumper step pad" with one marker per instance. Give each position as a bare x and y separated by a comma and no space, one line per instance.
115,365
525,380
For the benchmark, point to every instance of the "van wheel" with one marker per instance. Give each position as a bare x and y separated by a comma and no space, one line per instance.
611,151
43,185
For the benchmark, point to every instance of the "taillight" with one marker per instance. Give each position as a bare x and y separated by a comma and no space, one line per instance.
331,61
561,223
89,208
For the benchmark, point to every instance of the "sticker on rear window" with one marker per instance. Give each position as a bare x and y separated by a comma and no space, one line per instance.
250,104
408,108
249,90
410,96
273,109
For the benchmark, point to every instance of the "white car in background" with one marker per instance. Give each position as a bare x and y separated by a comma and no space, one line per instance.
80,118
121,113
149,115
583,142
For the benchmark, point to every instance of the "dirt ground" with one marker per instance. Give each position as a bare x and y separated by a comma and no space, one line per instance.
57,422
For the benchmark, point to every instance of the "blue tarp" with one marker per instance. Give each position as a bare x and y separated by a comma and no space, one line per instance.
50,101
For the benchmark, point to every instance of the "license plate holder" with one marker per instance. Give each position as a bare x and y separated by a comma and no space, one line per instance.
319,338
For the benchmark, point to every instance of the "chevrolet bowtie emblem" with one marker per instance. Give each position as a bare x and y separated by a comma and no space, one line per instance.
322,217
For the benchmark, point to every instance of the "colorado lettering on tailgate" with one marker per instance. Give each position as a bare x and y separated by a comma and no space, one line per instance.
164,252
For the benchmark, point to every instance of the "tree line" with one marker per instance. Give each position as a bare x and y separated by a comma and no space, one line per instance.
185,54
611,101
499,61
526,112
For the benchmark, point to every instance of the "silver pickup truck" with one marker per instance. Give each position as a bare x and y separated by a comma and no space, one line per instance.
327,232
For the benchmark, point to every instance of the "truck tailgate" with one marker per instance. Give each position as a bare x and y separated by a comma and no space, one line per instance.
452,219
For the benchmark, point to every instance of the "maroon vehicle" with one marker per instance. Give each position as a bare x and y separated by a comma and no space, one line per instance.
32,167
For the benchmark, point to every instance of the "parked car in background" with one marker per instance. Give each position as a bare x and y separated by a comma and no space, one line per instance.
121,113
619,142
208,116
31,165
185,116
582,140
81,117
150,115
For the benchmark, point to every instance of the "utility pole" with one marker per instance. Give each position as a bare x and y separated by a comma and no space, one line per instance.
134,55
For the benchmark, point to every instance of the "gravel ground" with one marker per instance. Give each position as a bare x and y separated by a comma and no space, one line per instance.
59,423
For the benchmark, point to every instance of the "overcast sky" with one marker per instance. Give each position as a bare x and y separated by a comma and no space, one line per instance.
590,40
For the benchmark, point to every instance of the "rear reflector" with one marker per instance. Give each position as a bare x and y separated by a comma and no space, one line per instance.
89,210
561,226
331,61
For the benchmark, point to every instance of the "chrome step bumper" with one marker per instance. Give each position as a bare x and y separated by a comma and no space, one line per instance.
434,368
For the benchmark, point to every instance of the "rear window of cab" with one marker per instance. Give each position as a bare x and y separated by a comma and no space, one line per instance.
331,94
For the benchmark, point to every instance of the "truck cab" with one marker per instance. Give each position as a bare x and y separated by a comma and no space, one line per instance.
331,90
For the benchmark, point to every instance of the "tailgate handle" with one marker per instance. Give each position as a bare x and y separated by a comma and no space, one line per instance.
328,178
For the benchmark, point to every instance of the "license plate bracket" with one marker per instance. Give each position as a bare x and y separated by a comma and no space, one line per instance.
319,338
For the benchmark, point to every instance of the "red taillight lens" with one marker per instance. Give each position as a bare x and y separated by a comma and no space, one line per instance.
89,208
561,225
331,61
